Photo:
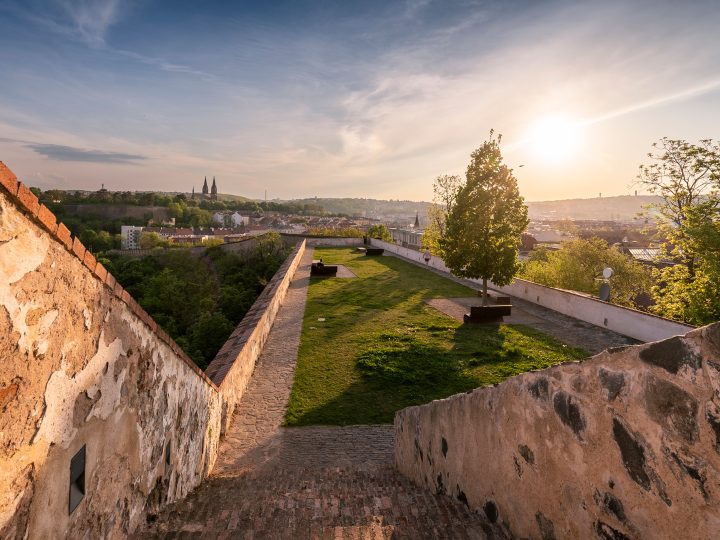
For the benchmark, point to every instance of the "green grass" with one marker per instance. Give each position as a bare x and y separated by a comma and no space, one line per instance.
381,348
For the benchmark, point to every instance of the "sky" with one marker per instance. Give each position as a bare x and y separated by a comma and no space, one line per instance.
341,98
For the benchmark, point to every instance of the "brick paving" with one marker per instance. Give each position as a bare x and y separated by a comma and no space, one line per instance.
307,482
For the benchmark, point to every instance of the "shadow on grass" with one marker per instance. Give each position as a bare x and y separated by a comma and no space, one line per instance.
371,346
396,369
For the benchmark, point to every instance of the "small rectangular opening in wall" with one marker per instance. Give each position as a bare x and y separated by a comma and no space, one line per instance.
77,479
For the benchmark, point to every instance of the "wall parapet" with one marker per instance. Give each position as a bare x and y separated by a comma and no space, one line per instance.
29,203
623,445
622,320
111,382
233,365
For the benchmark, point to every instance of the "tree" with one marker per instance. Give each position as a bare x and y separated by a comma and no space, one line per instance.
380,232
484,219
687,178
693,298
445,189
578,266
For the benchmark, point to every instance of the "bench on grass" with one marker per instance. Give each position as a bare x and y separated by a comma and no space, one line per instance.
318,268
487,314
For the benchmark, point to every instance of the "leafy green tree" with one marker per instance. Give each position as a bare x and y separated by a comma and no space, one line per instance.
149,240
380,232
693,298
578,266
687,178
445,189
484,219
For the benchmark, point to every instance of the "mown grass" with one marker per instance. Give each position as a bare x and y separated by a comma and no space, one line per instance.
371,346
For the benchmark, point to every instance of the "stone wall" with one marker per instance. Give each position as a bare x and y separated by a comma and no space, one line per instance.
234,363
84,366
322,241
623,445
625,321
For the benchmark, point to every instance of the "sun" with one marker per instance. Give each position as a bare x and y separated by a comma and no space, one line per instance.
554,138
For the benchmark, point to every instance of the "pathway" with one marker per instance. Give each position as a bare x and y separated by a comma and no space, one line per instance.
307,482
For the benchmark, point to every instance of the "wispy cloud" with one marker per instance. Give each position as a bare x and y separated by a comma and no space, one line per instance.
69,153
164,65
91,19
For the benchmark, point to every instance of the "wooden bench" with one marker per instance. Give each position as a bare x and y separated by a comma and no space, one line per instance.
486,314
318,268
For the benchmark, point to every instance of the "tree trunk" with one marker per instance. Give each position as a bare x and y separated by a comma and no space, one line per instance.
484,302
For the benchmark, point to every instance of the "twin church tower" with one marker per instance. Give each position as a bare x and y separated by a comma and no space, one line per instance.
212,194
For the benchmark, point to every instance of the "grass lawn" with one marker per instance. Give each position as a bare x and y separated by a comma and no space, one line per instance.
370,346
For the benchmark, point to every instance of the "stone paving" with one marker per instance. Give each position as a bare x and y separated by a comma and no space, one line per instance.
308,482
571,331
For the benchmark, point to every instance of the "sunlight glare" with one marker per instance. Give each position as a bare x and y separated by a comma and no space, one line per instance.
554,138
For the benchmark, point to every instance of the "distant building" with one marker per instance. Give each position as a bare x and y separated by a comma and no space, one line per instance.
231,219
410,238
207,193
130,236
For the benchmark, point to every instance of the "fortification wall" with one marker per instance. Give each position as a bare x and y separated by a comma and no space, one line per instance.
624,321
623,445
84,366
233,365
323,241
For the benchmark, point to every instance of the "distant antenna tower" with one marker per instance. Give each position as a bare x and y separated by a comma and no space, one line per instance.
266,195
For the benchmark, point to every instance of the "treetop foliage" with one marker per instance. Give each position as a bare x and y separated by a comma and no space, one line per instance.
481,220
198,300
687,177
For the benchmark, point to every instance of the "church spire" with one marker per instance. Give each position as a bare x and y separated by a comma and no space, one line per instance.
417,221
213,190
193,193
205,187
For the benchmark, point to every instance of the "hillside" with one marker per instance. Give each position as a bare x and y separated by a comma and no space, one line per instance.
621,208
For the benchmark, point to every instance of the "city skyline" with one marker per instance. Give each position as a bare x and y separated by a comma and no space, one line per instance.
373,100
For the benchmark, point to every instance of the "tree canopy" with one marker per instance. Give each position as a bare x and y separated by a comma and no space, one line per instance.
578,266
482,218
381,232
687,177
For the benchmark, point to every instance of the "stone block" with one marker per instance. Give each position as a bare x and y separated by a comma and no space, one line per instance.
100,272
47,218
28,199
8,180
89,260
110,281
78,249
62,233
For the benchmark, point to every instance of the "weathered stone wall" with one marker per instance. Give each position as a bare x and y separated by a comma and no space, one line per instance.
83,364
233,365
623,445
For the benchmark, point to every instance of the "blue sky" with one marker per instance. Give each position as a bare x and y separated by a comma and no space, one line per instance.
366,99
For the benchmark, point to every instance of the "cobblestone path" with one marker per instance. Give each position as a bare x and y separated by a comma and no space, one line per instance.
307,482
